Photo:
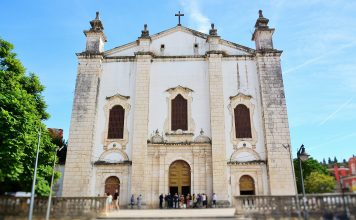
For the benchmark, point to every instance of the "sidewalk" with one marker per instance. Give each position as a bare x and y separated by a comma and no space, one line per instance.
170,213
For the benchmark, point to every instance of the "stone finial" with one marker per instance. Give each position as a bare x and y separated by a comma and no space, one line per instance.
145,33
157,138
261,22
213,31
96,24
202,138
260,13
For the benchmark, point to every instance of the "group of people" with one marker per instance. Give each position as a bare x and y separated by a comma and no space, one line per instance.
189,201
165,201
112,201
139,201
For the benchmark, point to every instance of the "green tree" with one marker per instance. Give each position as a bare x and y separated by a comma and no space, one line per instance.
335,160
309,166
22,109
319,183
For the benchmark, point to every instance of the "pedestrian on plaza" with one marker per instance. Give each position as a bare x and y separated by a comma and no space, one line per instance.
175,199
199,200
116,199
181,201
194,198
214,200
204,199
161,201
108,202
139,201
132,201
166,201
188,199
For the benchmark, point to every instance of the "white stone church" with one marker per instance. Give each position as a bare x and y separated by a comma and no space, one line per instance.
179,111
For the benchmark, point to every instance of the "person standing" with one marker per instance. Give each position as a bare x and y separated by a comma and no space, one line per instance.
175,200
214,200
204,199
161,201
139,201
188,200
132,201
116,199
108,202
166,201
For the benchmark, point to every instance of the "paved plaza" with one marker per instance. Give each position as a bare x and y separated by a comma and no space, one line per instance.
225,213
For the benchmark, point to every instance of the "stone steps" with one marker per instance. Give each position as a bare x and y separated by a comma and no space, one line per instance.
210,213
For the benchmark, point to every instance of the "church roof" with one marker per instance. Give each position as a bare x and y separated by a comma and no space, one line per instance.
180,28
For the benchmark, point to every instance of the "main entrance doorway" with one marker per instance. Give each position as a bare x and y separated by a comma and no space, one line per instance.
111,184
247,185
179,177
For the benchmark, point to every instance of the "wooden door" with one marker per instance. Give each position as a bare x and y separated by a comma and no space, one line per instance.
111,184
179,177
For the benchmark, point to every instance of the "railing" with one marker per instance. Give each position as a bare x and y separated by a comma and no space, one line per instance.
289,206
60,207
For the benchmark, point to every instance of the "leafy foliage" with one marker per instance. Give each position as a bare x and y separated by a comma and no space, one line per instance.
22,108
319,183
309,166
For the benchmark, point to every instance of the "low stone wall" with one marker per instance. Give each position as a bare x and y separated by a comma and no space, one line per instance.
318,205
61,207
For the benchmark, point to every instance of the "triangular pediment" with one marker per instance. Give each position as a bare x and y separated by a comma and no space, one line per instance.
179,41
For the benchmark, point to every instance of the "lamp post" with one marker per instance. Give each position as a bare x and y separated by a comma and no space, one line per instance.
34,177
302,156
50,192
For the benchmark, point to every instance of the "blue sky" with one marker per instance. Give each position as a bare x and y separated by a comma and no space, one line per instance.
318,39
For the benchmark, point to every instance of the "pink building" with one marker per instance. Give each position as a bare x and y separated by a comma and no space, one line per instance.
345,175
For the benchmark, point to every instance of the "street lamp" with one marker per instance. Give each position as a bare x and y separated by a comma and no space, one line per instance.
34,177
50,192
302,156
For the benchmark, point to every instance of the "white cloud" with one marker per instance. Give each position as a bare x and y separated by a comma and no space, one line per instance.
196,17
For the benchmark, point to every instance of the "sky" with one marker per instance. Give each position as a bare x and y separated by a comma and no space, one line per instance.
318,38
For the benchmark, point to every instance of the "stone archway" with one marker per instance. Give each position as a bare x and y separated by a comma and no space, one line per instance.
179,177
247,185
111,184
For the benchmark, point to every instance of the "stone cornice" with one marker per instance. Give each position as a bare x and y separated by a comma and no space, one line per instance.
144,53
252,162
269,52
100,162
89,55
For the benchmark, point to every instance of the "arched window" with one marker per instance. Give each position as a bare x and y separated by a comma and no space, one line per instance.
179,113
116,122
242,122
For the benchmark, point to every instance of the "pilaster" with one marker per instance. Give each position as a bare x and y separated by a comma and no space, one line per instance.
217,117
140,128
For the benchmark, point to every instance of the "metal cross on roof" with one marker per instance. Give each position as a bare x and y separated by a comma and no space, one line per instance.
179,15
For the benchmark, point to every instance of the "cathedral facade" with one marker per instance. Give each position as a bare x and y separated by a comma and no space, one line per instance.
182,112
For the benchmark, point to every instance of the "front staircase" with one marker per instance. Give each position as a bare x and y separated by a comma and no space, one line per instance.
210,213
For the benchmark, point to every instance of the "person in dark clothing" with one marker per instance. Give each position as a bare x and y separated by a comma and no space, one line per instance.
161,201
176,200
170,201
166,201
